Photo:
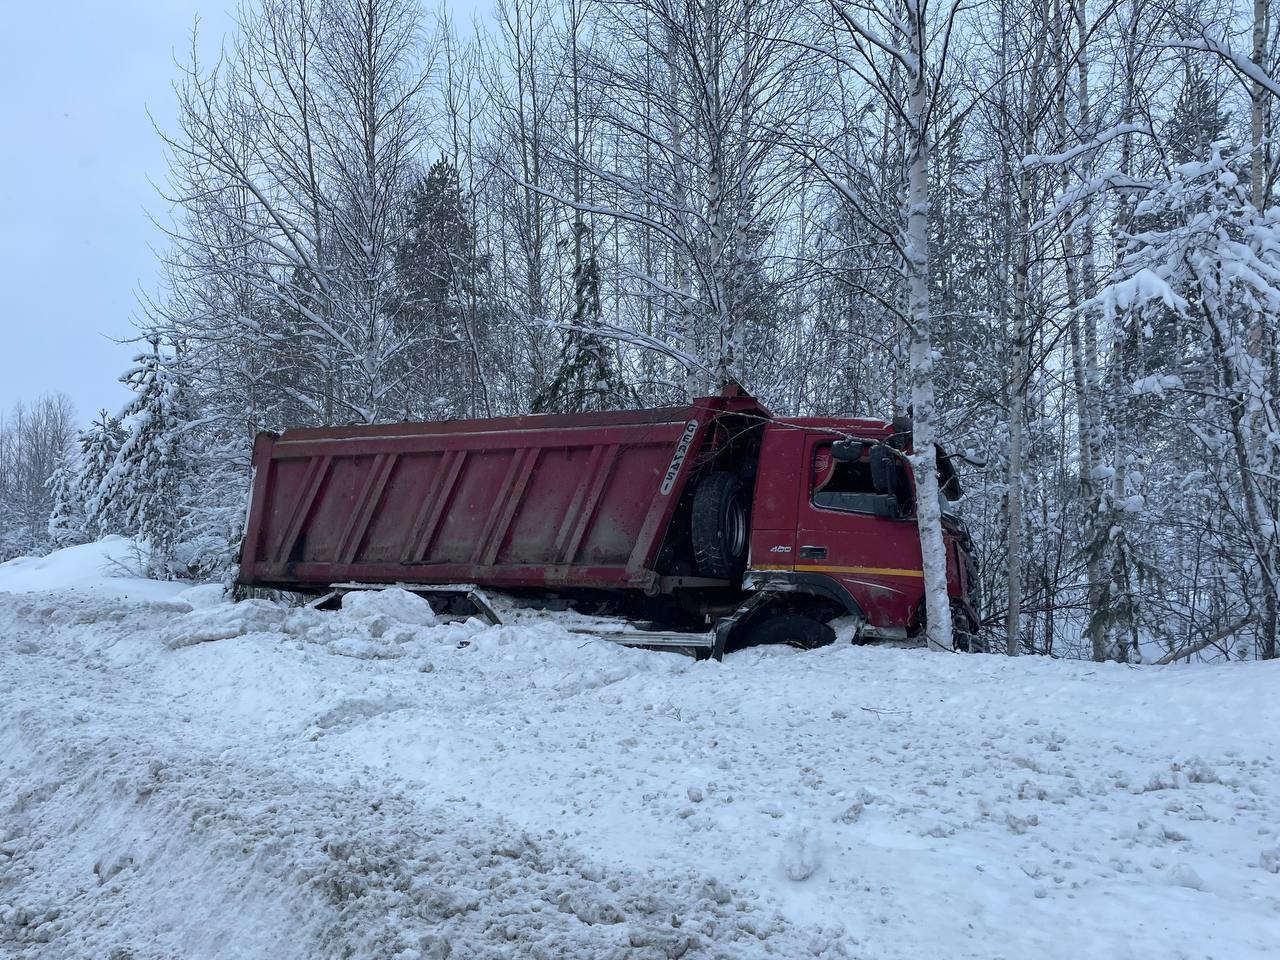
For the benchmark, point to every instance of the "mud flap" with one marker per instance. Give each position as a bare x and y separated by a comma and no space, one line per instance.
727,627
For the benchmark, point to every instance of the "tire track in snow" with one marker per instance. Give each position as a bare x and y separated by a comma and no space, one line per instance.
122,838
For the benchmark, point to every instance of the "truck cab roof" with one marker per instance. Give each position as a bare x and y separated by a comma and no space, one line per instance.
856,426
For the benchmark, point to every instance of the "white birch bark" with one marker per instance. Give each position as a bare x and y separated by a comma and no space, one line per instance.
1259,99
1091,422
915,245
1021,344
1080,289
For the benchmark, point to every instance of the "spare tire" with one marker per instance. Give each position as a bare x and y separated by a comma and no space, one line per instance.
720,528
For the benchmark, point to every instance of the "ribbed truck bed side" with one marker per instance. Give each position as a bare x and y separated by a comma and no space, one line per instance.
578,500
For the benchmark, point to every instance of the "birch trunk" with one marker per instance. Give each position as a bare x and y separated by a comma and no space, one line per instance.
688,320
1090,426
1080,285
1021,346
1017,414
915,245
1257,109
1017,417
1255,468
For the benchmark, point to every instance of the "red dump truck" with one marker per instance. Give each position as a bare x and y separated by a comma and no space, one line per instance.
717,516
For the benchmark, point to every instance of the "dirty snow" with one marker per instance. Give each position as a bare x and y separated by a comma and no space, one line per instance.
187,777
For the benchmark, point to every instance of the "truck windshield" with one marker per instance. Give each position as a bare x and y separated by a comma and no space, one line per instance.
847,485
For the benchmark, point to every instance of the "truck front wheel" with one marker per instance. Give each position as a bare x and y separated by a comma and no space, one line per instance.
794,630
720,528
966,634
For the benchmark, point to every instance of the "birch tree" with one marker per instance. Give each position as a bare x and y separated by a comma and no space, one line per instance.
291,158
900,51
698,96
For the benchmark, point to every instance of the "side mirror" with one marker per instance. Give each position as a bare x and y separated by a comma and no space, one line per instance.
903,488
883,465
902,432
948,479
846,450
891,474
886,507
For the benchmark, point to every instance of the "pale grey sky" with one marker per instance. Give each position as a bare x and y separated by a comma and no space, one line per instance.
78,160
77,78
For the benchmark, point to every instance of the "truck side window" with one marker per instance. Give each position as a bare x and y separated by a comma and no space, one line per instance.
846,484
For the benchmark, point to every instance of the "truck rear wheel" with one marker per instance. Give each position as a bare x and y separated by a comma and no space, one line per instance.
720,529
794,630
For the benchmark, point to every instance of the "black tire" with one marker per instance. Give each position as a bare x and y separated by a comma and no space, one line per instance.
794,630
965,635
720,527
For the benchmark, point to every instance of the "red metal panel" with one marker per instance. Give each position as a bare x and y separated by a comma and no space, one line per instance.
773,511
433,507
573,525
532,575
629,478
412,443
674,478
504,507
539,423
581,499
358,524
317,471
255,523
584,510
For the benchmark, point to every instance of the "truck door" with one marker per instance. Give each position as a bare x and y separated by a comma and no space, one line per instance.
856,534
773,509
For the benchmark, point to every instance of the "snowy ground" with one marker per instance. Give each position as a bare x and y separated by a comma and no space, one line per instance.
184,777
109,568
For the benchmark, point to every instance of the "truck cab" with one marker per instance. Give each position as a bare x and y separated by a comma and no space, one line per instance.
833,518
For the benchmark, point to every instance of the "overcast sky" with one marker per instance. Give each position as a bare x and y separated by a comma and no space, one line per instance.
77,78
80,81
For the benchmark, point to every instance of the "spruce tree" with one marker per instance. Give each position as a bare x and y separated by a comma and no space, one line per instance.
145,485
99,446
437,268
587,377
1196,122
67,525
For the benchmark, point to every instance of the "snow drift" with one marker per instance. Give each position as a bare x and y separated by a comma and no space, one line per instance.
190,777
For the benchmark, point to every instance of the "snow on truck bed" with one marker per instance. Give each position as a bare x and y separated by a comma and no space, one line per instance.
193,778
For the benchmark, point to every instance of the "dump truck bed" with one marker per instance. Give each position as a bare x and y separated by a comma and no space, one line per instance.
581,500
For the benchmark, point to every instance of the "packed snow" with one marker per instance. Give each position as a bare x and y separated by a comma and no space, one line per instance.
183,776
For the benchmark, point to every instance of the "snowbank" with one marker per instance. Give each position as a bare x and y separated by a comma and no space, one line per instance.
110,567
366,783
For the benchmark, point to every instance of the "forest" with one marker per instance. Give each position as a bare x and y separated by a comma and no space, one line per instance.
1047,229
